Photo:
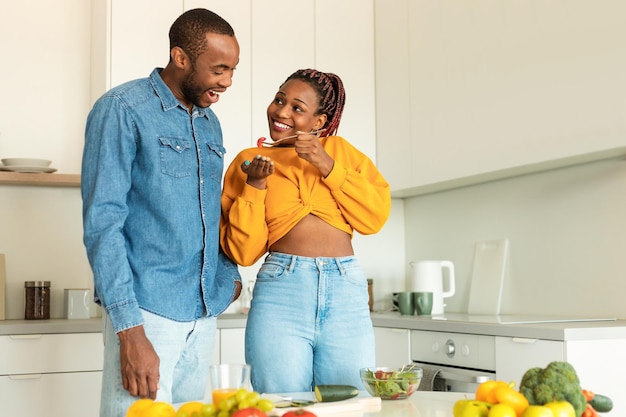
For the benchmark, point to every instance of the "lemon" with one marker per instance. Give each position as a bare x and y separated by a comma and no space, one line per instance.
137,408
190,408
158,409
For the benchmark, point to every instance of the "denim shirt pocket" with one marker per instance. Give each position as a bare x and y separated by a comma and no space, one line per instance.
177,158
216,161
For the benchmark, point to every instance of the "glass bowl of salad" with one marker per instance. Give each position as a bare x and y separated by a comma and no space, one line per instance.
392,383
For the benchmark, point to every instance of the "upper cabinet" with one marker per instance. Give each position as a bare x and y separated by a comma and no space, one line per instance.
276,38
474,91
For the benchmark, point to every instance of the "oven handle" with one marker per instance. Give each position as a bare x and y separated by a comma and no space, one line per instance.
459,375
474,379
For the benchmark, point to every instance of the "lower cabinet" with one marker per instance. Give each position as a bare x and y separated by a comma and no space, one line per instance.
73,394
393,346
515,355
56,375
598,362
232,345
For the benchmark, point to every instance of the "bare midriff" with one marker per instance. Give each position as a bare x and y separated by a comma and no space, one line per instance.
313,238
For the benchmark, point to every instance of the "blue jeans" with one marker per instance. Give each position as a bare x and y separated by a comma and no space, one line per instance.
184,349
309,324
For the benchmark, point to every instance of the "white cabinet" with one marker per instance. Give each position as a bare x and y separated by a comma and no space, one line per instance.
232,345
393,346
467,90
598,362
57,375
515,355
121,52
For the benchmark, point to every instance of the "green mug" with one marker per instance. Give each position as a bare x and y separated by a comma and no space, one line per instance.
423,302
405,303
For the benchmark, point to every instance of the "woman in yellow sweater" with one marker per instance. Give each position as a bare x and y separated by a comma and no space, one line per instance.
300,201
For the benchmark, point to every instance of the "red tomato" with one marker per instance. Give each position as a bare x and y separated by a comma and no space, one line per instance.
300,412
249,412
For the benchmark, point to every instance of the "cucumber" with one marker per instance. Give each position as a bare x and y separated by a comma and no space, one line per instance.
601,403
330,393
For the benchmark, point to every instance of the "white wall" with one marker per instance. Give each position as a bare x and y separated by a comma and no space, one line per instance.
567,235
45,81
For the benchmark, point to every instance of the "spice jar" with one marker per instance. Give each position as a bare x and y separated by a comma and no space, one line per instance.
37,300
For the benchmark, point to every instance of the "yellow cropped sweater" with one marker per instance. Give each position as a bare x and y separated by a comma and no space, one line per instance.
354,196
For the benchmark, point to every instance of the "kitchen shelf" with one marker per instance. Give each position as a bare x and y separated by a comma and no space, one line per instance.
40,179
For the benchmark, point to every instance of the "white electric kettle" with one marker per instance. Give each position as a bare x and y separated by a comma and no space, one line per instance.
428,276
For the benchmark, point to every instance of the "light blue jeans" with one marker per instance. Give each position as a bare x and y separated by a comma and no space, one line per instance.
309,324
184,349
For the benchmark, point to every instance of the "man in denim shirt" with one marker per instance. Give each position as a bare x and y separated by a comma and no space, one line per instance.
151,185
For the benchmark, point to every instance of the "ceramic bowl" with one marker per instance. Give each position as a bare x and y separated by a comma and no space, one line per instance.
26,162
392,383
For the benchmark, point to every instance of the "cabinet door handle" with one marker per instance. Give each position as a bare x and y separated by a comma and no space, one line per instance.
25,376
25,336
524,340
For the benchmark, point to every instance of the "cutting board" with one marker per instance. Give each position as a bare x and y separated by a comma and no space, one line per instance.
354,407
488,273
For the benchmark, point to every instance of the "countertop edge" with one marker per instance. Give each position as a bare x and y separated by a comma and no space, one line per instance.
559,331
92,325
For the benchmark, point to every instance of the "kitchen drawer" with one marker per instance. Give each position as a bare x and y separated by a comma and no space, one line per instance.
51,395
47,353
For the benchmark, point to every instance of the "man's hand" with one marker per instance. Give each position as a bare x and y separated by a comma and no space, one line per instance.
238,286
139,363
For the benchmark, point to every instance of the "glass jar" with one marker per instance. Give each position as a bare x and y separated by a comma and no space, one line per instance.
37,300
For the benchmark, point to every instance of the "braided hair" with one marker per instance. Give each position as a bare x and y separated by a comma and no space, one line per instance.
331,94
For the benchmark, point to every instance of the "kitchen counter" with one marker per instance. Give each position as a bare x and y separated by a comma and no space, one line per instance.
93,325
560,331
420,404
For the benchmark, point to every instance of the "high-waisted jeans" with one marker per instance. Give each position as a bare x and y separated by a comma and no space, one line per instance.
309,324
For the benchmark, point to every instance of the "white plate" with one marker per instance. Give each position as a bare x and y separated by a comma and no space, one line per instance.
23,168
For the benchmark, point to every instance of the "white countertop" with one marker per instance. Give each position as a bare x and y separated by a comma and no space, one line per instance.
595,329
420,404
560,331
92,325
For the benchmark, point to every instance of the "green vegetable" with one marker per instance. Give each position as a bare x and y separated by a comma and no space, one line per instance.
556,382
601,403
330,393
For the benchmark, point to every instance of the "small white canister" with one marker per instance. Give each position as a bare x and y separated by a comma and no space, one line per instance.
77,301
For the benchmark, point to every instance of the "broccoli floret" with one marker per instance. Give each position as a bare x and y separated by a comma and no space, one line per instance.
556,382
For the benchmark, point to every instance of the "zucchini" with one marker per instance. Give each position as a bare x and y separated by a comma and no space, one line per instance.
330,393
601,403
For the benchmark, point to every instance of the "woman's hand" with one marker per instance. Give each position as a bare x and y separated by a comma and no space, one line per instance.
258,170
309,148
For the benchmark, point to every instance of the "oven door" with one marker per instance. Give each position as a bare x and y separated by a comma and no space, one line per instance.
448,378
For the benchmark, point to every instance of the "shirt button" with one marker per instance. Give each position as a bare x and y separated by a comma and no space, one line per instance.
178,147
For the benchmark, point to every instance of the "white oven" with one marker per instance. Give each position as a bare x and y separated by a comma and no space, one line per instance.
459,361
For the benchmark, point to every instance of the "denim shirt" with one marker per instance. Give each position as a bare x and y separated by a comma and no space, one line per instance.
151,187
